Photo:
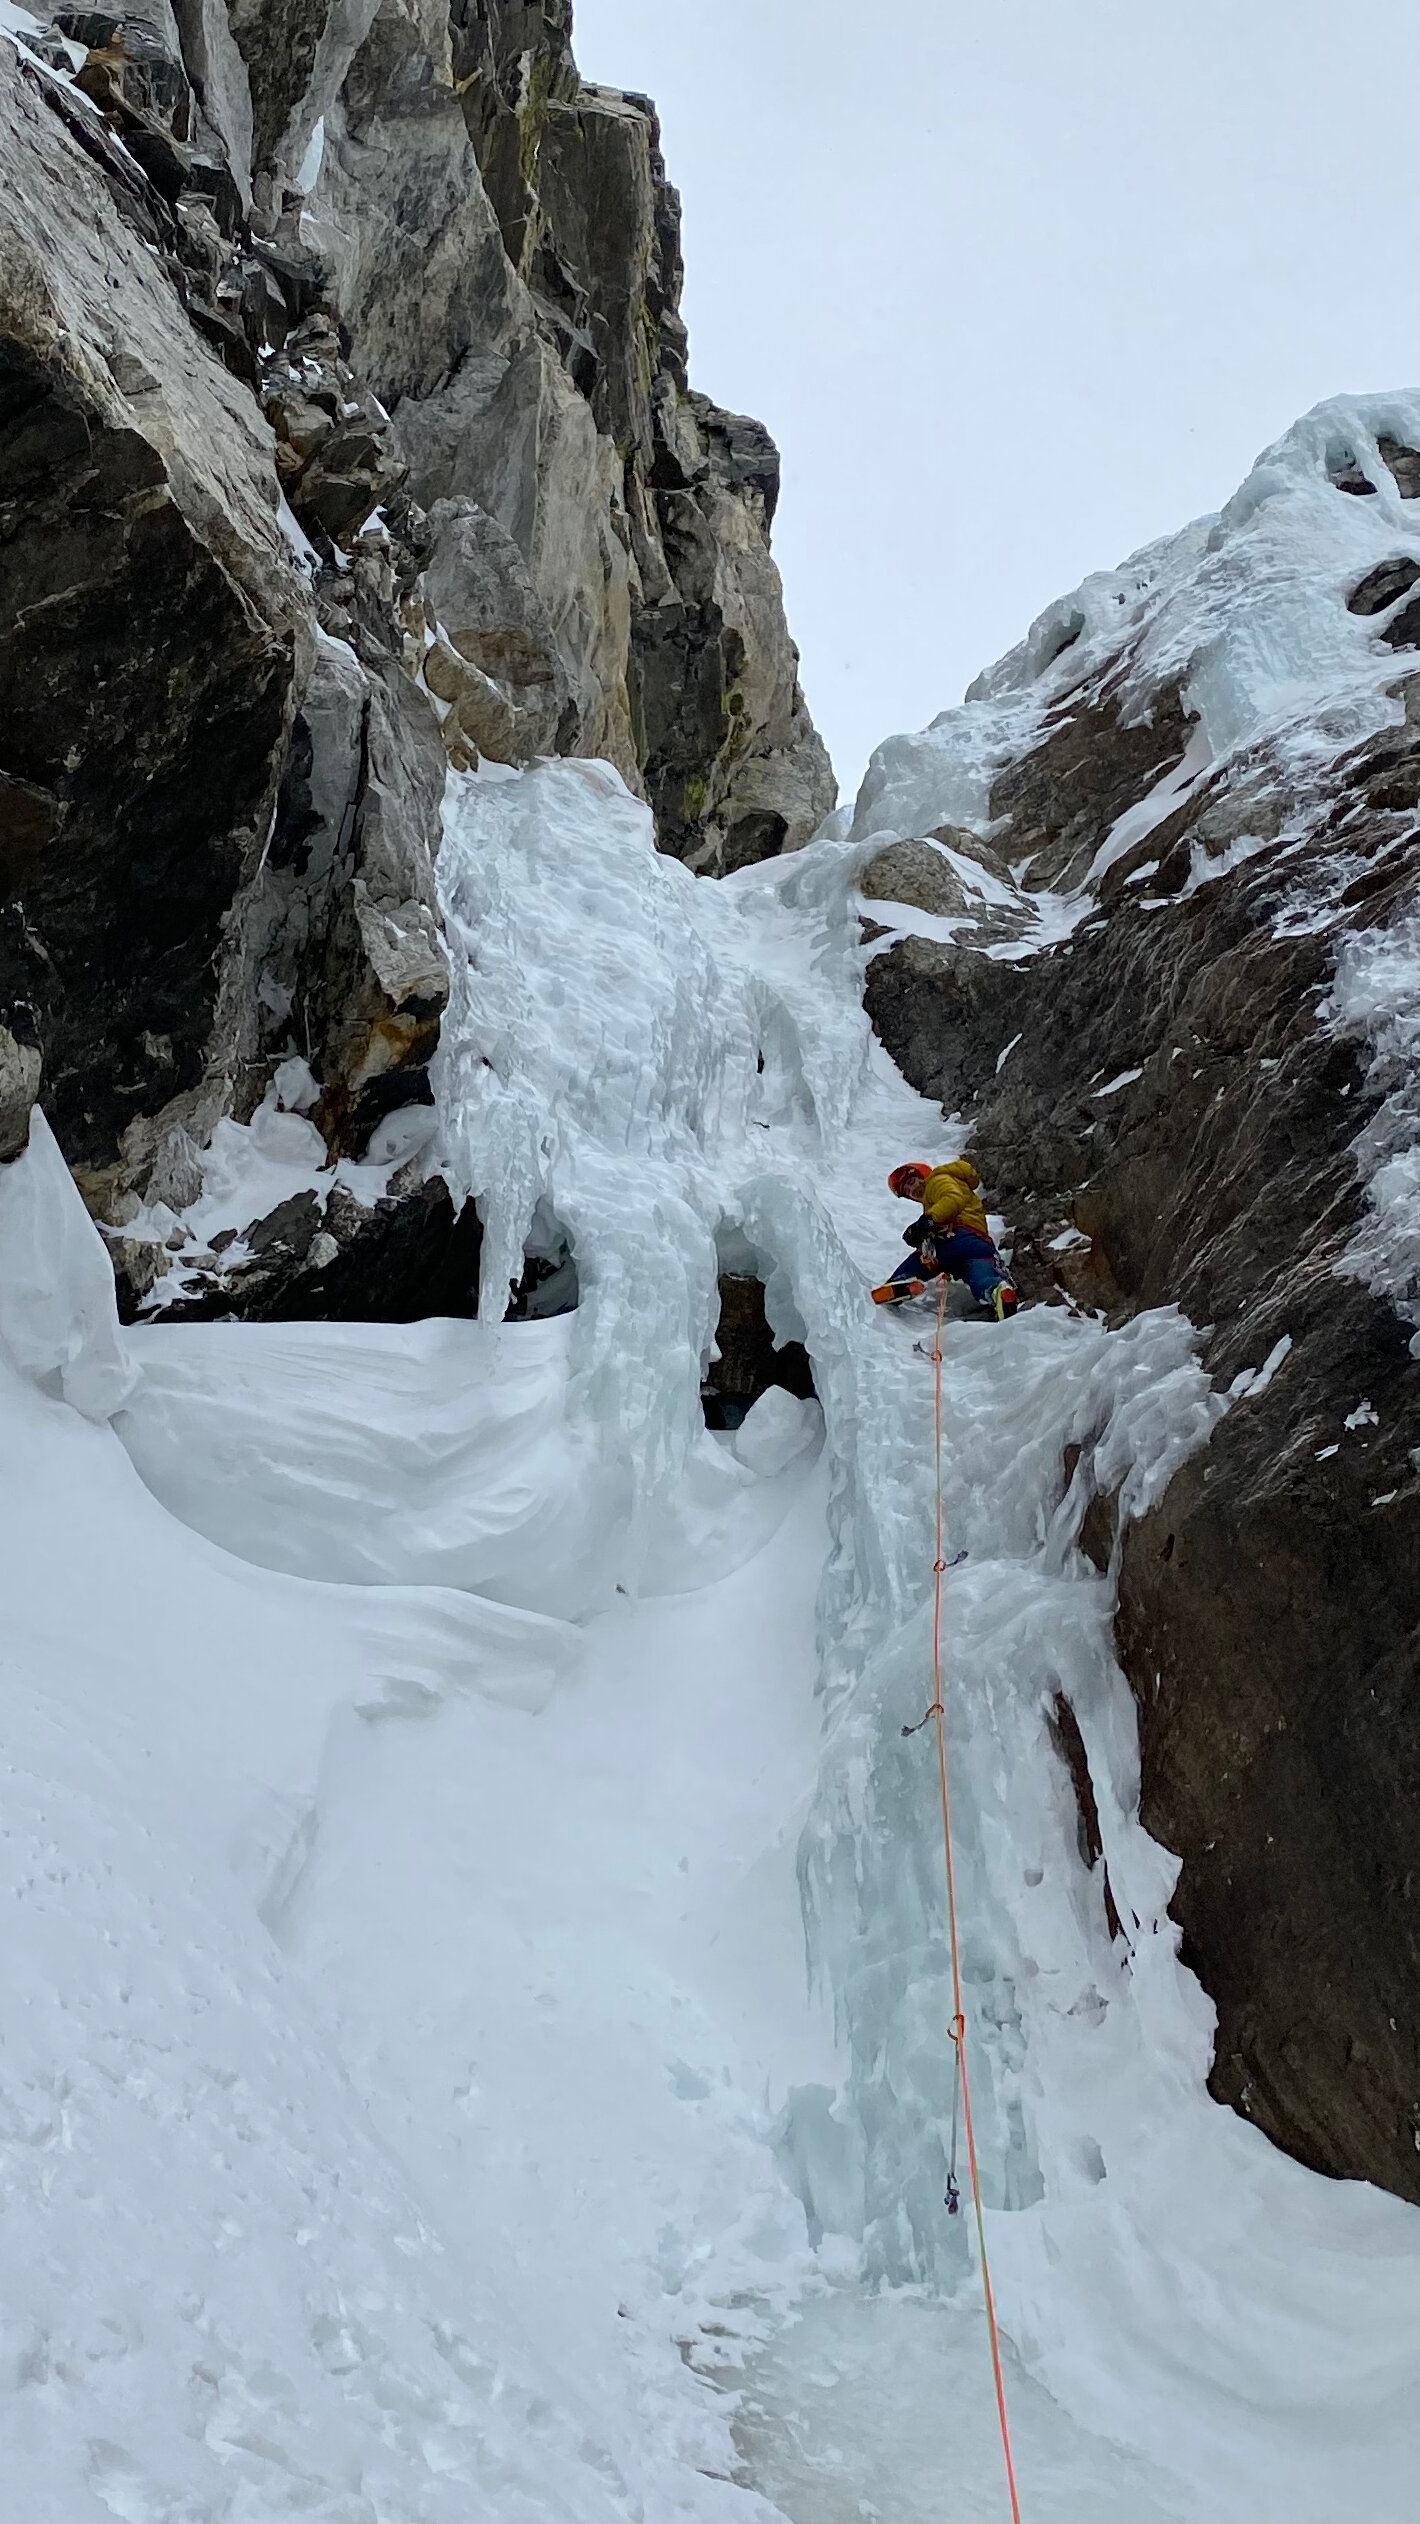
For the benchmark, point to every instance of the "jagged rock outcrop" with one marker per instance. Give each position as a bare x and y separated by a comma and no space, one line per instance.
344,433
1187,1058
175,901
395,1259
153,632
573,428
503,246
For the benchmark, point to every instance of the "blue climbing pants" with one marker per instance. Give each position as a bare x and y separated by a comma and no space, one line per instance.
962,1254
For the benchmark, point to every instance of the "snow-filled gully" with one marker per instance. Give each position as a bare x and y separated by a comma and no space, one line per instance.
426,1746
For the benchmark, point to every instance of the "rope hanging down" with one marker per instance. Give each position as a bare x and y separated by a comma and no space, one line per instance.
957,2027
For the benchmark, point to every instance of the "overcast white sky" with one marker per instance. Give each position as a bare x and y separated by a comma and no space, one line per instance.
1020,286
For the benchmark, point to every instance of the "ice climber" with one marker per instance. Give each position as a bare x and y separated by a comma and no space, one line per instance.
951,1236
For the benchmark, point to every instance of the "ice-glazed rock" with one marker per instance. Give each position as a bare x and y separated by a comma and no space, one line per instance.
680,1075
458,2050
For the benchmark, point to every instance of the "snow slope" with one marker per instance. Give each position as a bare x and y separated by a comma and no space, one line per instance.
281,1849
410,2080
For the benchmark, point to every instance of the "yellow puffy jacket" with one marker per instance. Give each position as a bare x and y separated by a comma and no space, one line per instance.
950,1197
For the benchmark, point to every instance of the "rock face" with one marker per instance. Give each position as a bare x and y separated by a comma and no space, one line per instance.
344,433
394,1260
748,1361
218,823
151,625
570,424
1188,1063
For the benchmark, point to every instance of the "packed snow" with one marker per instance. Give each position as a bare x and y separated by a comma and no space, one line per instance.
477,2044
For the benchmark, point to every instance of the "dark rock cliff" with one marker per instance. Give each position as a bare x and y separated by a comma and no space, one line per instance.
344,431
1181,1100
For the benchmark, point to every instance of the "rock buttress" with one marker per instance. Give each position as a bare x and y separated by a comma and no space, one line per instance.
1269,1606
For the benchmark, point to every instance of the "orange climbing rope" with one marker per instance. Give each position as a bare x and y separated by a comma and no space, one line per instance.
958,2023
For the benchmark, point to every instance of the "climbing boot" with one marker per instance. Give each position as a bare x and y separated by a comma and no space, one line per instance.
1004,1301
893,1291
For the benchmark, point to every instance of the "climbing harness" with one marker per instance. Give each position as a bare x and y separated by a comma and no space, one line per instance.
957,2028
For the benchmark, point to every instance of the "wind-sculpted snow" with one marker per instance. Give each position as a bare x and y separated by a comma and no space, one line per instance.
59,1325
449,1460
351,2166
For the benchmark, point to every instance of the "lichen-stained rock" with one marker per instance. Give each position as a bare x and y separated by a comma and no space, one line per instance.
1208,802
513,58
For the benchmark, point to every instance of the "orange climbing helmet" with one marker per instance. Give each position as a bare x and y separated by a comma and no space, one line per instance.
907,1181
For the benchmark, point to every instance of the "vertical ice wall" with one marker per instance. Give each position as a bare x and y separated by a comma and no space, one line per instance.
659,1063
633,1057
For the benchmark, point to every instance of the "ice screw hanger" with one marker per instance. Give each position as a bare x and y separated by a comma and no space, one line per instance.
951,2197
